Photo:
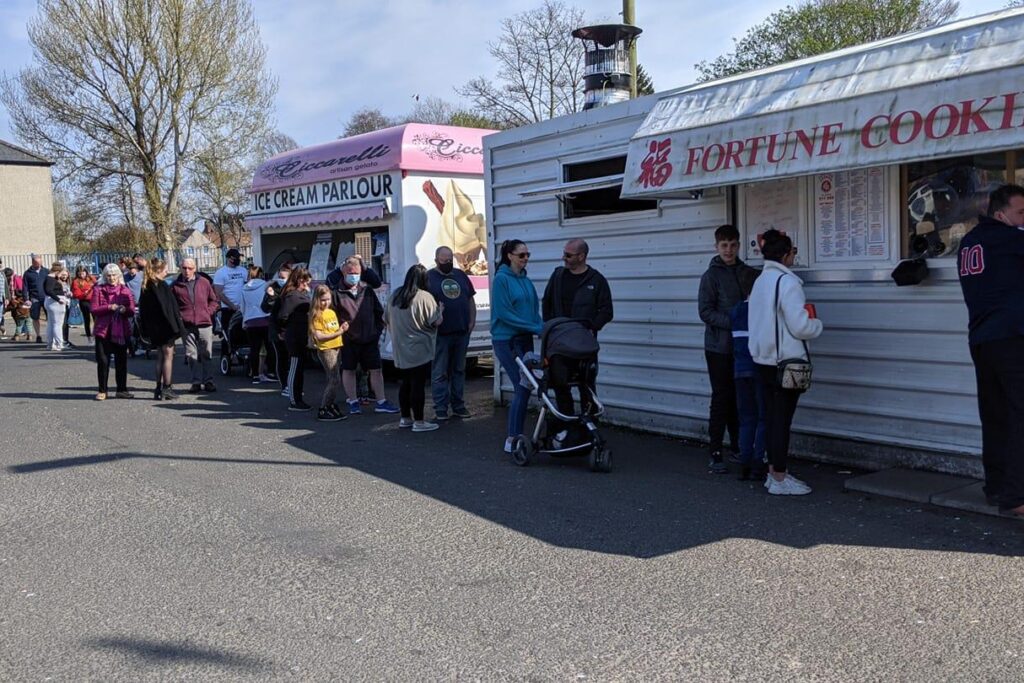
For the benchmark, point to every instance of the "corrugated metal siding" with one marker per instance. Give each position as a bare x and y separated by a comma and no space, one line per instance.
892,367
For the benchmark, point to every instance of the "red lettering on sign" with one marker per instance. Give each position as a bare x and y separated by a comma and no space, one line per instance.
655,169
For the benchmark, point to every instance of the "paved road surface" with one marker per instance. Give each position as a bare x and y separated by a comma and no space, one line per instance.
222,538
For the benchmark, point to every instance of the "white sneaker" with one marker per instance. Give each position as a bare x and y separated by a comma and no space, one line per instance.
405,422
424,426
508,445
265,380
286,393
787,487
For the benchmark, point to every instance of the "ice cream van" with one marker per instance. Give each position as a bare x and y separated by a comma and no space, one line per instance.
391,196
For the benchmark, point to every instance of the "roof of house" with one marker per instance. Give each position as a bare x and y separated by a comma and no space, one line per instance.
12,154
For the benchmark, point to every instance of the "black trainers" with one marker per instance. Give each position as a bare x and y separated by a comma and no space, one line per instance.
195,389
299,406
337,411
169,394
716,465
327,415
209,387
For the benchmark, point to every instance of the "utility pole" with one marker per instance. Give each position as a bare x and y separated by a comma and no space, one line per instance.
629,17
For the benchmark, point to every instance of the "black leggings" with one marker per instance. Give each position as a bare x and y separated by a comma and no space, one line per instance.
413,391
257,337
86,308
281,360
780,405
104,349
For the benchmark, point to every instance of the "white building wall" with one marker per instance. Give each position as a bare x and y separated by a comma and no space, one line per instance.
893,377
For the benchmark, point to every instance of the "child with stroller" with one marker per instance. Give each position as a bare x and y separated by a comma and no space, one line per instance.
749,391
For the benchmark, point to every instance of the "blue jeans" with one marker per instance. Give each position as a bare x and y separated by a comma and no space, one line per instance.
751,407
448,377
506,352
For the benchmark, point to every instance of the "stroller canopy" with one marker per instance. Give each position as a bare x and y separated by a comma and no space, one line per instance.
568,337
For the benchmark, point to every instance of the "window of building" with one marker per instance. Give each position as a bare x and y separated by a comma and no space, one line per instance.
944,197
601,201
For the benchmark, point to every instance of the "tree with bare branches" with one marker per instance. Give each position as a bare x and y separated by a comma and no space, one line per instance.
135,91
540,68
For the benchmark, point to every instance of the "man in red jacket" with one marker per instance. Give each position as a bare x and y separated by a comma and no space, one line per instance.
198,304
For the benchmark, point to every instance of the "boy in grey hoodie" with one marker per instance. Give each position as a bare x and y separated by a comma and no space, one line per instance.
719,292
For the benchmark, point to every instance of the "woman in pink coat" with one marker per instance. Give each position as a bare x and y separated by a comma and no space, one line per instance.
113,308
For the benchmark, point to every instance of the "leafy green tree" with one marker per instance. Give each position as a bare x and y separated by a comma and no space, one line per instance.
367,120
814,27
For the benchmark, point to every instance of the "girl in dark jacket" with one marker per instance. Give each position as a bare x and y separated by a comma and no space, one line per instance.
161,323
293,318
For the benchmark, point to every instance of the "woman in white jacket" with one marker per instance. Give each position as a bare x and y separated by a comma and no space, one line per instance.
795,327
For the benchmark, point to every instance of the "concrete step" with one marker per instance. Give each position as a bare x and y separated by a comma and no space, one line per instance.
943,490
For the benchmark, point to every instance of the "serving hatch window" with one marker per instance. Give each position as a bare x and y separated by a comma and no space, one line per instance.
603,201
944,197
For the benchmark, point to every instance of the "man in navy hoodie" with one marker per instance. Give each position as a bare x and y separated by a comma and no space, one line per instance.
991,267
33,281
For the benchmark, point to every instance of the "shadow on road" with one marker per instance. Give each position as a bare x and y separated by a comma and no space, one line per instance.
167,652
659,499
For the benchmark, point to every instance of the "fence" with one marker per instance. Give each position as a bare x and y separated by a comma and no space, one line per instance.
206,259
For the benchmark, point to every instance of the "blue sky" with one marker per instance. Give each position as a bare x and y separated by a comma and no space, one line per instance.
333,57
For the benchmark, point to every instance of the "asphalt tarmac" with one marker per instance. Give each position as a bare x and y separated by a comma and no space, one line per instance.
221,537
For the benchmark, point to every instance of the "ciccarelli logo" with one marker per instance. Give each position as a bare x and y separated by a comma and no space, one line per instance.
437,146
293,168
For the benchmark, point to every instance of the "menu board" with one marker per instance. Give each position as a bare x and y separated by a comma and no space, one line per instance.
319,255
773,204
850,209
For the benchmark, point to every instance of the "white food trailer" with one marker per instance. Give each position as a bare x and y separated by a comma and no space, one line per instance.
392,196
865,156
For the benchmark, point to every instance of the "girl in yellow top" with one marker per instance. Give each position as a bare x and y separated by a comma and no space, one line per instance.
325,331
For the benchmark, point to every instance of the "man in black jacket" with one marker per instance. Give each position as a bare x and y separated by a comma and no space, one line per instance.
32,285
575,291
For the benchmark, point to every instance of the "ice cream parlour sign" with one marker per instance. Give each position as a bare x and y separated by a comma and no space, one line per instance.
329,193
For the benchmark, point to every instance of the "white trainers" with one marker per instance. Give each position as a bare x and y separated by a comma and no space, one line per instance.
405,422
508,445
790,486
424,426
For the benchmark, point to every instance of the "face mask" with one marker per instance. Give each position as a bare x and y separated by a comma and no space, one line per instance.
351,279
279,281
444,267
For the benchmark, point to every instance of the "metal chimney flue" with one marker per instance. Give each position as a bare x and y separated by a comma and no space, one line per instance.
607,77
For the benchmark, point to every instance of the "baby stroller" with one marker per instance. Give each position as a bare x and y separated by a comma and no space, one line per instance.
138,341
570,343
234,345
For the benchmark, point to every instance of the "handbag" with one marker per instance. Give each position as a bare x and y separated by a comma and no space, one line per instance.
792,373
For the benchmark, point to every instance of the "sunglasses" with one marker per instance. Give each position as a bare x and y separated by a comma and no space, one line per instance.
524,254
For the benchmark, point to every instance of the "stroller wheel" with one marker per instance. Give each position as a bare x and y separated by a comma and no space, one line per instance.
522,450
225,365
600,459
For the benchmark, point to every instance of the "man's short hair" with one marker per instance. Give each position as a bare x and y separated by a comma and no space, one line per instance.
437,252
727,233
352,262
580,244
1000,198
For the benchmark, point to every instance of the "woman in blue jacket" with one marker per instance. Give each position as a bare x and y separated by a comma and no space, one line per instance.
515,319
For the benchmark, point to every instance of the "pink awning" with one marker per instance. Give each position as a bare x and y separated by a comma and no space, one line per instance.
349,214
410,147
